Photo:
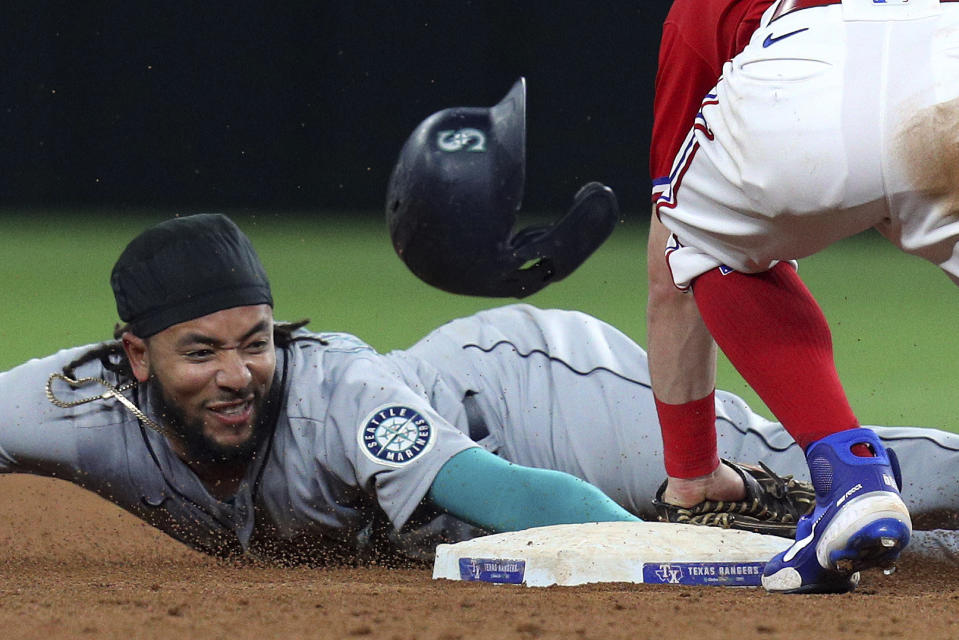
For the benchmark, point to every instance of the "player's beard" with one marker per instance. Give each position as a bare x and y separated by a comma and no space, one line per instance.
198,448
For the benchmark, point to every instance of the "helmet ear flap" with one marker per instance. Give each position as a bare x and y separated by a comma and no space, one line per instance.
560,248
452,201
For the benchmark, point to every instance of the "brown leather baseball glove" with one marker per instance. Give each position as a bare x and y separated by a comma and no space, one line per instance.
773,504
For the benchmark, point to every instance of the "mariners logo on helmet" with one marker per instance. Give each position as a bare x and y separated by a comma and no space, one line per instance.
468,139
394,435
452,201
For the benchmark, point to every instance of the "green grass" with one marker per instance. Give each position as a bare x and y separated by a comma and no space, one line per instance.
893,316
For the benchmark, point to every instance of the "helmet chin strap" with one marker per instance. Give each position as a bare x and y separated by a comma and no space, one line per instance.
113,392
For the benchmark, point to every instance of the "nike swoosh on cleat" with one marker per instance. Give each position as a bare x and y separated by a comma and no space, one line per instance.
770,40
799,545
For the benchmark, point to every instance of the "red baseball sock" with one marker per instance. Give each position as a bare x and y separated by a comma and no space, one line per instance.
775,334
689,437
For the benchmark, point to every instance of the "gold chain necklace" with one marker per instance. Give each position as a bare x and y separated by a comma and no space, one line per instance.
111,392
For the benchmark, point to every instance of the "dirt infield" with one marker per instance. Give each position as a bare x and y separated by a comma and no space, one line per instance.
74,566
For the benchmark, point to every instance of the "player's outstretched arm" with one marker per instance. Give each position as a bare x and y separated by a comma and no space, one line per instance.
489,492
682,353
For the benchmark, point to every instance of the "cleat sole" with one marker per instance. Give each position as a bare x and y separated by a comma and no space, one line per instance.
876,545
870,530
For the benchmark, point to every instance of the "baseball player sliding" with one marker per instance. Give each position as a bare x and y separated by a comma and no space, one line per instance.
830,118
238,435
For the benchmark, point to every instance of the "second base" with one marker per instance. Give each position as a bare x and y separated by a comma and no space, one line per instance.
642,552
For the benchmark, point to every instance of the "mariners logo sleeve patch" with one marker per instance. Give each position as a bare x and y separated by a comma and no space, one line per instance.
394,435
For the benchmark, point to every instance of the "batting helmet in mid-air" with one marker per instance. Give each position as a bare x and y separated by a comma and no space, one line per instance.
452,202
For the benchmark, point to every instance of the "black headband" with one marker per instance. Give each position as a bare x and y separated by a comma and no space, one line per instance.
185,268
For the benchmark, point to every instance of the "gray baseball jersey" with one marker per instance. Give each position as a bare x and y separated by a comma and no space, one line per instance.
357,442
563,390
359,436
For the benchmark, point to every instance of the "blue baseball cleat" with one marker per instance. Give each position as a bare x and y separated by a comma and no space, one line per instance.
859,522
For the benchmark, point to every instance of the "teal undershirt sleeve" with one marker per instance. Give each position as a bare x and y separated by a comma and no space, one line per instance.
489,492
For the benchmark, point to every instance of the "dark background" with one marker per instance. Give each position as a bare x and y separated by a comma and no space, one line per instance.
305,105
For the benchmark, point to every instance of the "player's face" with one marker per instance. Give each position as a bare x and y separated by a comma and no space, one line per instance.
209,379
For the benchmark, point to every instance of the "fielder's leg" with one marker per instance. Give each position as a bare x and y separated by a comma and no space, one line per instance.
774,333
